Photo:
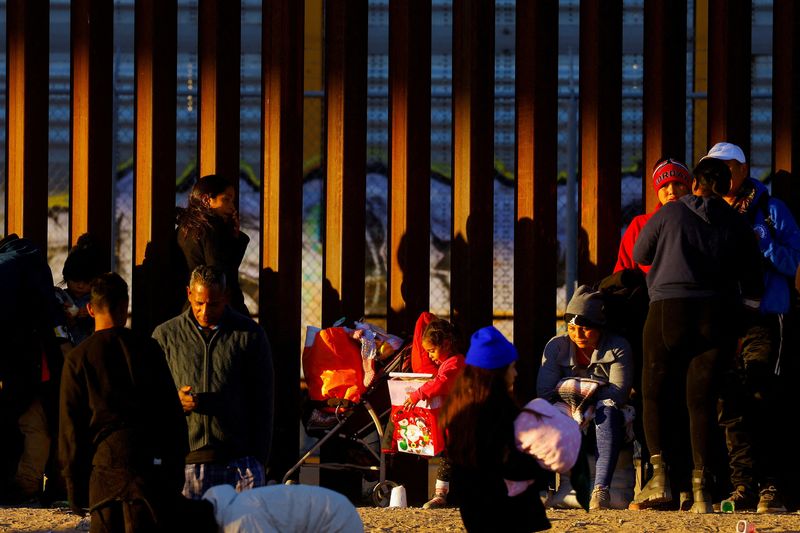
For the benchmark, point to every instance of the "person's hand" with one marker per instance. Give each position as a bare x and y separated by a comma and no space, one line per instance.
188,399
409,403
763,236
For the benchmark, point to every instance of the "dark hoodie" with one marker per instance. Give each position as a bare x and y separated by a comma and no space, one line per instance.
28,314
699,247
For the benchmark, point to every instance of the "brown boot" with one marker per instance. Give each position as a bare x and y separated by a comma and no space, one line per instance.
657,491
700,491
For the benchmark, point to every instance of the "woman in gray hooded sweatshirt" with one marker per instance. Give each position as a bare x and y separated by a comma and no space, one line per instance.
705,271
589,351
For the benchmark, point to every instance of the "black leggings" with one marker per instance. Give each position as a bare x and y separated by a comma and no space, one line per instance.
687,344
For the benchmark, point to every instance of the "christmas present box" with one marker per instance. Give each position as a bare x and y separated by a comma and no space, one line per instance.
416,431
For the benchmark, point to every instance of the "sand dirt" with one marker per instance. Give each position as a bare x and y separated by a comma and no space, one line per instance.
442,520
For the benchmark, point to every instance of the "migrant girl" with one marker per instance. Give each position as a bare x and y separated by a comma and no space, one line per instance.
494,479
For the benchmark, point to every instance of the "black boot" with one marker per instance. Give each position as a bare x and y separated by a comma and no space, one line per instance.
657,491
700,491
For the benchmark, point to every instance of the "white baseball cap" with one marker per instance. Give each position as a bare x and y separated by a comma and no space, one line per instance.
726,152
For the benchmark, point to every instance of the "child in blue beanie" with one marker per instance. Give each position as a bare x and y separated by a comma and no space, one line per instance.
478,418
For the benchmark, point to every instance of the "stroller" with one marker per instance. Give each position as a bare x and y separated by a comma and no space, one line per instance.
349,397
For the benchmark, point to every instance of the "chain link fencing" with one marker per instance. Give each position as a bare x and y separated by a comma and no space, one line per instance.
377,164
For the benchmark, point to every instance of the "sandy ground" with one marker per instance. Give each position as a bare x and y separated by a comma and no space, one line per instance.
430,521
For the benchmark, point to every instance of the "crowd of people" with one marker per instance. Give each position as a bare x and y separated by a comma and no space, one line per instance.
131,429
719,257
139,430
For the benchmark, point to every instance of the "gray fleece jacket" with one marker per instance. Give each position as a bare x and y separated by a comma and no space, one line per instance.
611,363
232,376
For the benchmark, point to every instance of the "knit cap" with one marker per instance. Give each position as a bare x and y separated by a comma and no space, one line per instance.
585,309
671,170
490,350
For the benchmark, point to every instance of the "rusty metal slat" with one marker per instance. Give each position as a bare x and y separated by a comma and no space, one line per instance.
664,88
729,43
155,148
27,119
601,125
91,166
282,206
345,180
535,247
219,47
409,140
786,102
473,165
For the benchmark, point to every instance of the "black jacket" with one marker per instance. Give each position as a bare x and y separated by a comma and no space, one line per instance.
119,413
218,247
484,502
699,247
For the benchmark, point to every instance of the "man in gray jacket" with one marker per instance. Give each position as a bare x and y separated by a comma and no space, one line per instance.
222,365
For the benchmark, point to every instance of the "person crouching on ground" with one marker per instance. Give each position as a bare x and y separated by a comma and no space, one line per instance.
589,351
122,437
478,419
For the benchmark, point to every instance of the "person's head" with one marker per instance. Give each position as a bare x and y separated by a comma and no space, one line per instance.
490,350
711,177
480,395
206,293
82,265
216,193
585,317
108,304
733,157
671,180
439,340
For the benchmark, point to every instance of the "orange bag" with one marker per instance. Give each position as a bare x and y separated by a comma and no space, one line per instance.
332,366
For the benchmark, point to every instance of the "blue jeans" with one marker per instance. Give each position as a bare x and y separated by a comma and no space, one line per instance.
609,425
242,474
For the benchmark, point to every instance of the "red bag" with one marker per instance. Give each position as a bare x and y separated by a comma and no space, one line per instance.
417,431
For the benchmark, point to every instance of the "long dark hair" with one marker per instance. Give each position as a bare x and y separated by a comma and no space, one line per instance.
480,401
713,175
196,218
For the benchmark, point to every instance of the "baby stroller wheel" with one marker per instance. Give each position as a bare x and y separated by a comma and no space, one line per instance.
382,492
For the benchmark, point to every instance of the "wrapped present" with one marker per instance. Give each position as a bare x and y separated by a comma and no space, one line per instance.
417,430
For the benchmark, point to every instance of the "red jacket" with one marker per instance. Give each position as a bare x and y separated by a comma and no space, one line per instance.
441,385
625,255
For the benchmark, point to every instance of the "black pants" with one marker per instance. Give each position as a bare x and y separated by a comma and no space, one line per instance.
750,408
687,344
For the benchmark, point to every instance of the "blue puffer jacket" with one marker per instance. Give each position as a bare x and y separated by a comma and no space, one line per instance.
781,250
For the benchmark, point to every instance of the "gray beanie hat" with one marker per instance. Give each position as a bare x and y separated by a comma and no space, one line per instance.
586,308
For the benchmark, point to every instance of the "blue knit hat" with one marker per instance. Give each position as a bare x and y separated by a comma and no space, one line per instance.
490,350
